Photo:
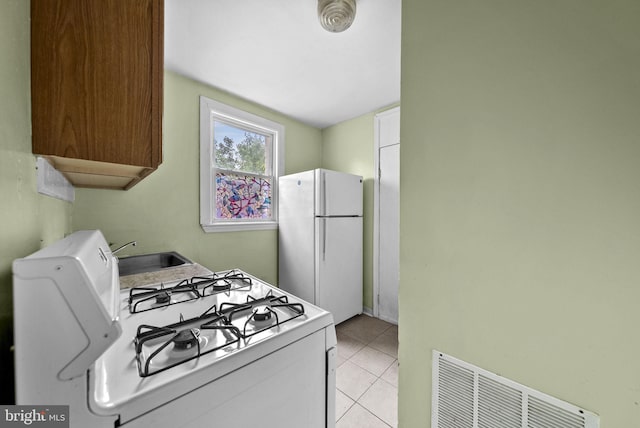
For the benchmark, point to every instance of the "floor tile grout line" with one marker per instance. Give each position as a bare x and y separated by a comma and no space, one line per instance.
368,345
348,408
373,414
368,371
395,357
387,382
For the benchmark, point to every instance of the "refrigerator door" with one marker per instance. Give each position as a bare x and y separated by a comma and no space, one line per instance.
296,235
339,266
338,193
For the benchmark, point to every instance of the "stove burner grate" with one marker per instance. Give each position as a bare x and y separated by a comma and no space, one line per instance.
231,321
143,299
183,338
260,313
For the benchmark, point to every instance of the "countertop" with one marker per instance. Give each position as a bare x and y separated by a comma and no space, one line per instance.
164,275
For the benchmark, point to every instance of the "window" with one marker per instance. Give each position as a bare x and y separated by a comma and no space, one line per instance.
240,160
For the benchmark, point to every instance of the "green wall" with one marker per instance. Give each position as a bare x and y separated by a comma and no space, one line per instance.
520,198
162,211
29,220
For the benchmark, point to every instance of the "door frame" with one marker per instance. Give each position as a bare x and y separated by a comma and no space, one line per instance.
376,207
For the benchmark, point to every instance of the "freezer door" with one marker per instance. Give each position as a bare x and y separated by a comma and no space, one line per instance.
339,266
338,194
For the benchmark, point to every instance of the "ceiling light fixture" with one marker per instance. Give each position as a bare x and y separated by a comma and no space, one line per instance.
336,15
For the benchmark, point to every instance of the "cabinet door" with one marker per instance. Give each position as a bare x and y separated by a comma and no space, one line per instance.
96,79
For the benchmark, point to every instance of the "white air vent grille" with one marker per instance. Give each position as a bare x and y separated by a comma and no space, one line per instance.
499,406
544,415
456,395
465,396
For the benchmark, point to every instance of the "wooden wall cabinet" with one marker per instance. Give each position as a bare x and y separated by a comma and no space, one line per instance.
96,88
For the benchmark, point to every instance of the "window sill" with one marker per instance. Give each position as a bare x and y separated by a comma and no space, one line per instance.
239,227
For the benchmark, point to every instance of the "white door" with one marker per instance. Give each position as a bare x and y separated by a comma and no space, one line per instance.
339,266
387,216
389,261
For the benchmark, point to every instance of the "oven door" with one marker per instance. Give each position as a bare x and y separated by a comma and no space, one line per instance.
287,388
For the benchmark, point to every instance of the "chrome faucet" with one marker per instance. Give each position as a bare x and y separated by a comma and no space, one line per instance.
122,247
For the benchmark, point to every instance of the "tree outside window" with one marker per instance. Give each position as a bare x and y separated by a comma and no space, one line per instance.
243,173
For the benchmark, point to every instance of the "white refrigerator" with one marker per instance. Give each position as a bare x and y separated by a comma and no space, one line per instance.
320,240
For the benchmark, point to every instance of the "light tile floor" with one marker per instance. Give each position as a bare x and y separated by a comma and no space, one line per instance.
367,374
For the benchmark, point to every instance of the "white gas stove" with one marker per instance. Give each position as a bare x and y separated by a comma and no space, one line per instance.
223,350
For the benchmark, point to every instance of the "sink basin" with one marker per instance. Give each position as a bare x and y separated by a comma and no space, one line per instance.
150,262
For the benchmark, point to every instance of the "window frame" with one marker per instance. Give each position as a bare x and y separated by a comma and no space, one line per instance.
211,110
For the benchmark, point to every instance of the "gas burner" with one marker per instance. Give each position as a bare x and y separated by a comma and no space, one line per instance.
220,286
262,313
163,297
186,339
226,282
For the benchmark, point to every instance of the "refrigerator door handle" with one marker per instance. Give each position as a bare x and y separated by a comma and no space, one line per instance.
324,239
323,193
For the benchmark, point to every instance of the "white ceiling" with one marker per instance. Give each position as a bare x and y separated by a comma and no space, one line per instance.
275,53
